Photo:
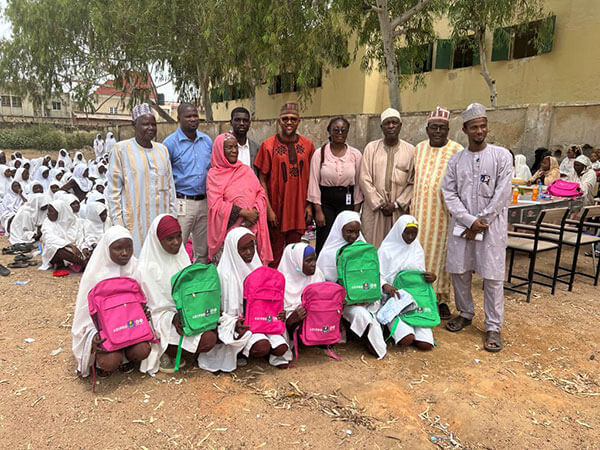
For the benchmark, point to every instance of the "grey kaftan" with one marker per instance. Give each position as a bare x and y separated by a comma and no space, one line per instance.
477,185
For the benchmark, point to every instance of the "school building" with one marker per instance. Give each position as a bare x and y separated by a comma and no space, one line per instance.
564,71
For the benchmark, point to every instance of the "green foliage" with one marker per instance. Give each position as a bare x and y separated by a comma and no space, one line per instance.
44,137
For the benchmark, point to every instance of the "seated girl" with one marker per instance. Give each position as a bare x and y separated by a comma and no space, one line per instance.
344,231
11,202
79,183
299,266
26,226
238,260
63,238
399,251
162,256
96,224
113,258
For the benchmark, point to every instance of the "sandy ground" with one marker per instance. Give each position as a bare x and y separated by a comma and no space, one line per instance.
541,391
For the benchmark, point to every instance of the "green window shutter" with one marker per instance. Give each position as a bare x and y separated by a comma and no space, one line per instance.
548,27
443,54
501,44
213,95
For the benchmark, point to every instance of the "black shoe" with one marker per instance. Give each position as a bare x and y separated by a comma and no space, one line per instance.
4,271
444,311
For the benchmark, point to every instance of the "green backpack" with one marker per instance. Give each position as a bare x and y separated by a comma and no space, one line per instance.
196,291
358,271
426,315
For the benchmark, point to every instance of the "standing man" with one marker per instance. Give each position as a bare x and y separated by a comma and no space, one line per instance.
477,189
140,179
283,162
240,124
431,159
189,151
386,179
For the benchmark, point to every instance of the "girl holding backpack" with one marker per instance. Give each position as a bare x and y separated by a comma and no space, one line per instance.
239,259
113,257
345,231
401,251
162,256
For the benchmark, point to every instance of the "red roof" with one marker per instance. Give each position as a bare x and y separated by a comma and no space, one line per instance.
108,89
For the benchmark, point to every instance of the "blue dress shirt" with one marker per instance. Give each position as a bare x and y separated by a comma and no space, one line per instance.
190,161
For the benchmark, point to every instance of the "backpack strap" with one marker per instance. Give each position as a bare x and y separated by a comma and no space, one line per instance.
331,354
295,333
394,326
178,357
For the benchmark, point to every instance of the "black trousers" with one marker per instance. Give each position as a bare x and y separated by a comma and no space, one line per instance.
333,202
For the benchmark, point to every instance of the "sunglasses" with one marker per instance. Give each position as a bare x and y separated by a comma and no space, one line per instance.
289,119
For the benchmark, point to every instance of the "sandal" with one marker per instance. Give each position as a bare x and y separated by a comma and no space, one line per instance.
4,271
444,311
22,257
493,341
128,367
457,324
33,263
18,265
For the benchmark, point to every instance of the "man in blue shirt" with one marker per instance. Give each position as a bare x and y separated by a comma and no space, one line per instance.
189,151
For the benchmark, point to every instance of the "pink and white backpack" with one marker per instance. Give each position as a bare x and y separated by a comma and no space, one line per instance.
264,289
563,188
116,308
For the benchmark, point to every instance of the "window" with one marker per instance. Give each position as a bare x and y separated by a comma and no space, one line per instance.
56,106
112,110
6,100
16,102
415,59
288,82
525,40
465,53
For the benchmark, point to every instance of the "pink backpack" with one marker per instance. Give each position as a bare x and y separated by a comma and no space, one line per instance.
264,289
116,309
323,303
562,188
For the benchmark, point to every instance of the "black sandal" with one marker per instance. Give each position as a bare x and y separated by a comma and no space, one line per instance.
444,311
493,341
18,265
4,271
457,324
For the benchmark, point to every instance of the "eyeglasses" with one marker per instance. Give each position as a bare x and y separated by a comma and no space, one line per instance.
339,130
289,119
438,127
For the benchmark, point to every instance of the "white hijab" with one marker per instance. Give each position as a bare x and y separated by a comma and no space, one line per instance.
5,181
84,183
94,227
79,159
395,255
100,267
295,280
327,258
9,206
24,183
233,271
63,155
28,217
109,143
521,169
67,229
38,176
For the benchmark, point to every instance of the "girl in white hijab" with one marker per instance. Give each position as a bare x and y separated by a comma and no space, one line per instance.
238,260
79,159
298,265
521,170
95,225
63,155
79,183
400,251
11,202
109,143
26,225
5,179
63,237
98,146
346,230
22,177
113,258
162,256
42,175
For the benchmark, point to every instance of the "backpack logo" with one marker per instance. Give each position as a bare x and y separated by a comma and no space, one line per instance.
130,324
269,318
325,329
366,286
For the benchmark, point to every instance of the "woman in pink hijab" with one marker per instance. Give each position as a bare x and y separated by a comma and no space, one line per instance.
235,198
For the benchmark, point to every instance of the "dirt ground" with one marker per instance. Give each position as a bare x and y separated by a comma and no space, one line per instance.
541,391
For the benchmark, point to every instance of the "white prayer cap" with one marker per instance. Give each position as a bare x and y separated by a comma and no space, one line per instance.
587,162
474,111
390,112
141,110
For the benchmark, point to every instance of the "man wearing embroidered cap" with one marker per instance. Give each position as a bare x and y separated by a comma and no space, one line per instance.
431,158
140,179
283,164
386,179
476,189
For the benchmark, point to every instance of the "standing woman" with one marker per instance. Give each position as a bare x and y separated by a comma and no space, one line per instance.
333,184
98,146
235,198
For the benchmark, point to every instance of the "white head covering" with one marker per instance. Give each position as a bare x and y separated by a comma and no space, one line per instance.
295,280
79,158
4,180
390,112
100,267
474,111
587,162
327,258
28,217
94,226
233,271
141,110
395,255
521,169
9,206
63,155
38,176
109,143
85,184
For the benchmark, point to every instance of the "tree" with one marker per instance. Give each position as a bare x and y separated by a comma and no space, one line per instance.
394,33
476,17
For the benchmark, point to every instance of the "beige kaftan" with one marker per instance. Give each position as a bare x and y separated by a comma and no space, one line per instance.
373,171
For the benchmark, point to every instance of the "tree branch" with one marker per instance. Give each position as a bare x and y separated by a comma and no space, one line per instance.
408,14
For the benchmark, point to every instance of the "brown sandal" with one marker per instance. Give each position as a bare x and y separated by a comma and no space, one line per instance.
493,341
457,324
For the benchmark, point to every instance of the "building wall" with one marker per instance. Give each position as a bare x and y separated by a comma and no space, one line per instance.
27,112
566,74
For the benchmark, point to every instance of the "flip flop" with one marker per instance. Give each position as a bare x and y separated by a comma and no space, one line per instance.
444,311
22,257
457,324
493,341
18,265
4,271
33,263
